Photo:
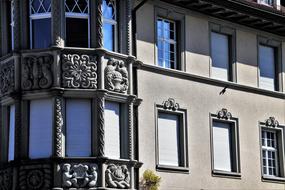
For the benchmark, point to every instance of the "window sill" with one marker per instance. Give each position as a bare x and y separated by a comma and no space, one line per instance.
267,178
172,169
227,174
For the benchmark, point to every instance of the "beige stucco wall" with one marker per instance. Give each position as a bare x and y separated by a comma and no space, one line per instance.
200,99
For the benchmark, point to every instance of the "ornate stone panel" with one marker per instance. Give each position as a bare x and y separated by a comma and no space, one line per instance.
7,77
79,175
116,76
5,179
35,177
117,176
170,104
224,114
79,71
37,72
272,122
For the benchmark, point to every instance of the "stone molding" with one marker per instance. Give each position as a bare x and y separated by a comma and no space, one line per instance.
79,71
79,175
170,104
271,122
117,176
224,114
37,72
116,76
7,77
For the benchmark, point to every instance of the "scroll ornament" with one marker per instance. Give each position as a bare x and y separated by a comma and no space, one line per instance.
117,176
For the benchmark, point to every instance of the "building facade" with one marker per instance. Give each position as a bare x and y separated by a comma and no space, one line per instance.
95,92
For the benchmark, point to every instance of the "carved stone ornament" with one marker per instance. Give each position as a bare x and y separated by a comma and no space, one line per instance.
79,71
272,122
35,177
79,176
170,104
116,76
37,72
224,114
117,176
7,77
5,179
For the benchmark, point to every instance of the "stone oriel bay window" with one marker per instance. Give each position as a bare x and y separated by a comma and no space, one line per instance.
225,144
171,137
272,150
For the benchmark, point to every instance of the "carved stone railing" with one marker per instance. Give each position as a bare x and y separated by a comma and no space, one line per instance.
68,173
68,68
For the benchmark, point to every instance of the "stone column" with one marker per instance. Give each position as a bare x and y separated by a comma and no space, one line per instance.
131,100
99,24
101,123
129,26
57,13
19,148
17,27
58,124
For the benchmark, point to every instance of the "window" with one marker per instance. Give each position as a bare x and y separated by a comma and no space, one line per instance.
220,55
272,150
269,153
225,148
11,145
112,130
109,25
40,23
166,43
78,127
267,78
40,128
77,23
171,137
266,2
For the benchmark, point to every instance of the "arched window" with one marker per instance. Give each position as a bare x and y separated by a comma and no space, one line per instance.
40,23
77,23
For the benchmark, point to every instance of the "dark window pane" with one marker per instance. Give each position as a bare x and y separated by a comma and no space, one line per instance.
76,32
108,10
41,33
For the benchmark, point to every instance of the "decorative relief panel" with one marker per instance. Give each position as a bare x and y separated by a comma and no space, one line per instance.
170,104
116,76
224,114
5,179
35,177
79,176
79,71
117,176
37,72
272,122
7,77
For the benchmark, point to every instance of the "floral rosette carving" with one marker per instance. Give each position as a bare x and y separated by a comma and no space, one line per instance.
272,122
79,71
37,72
79,176
7,77
117,176
116,76
224,114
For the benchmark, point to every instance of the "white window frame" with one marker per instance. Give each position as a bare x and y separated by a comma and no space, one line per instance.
36,16
265,2
163,40
113,22
80,16
266,148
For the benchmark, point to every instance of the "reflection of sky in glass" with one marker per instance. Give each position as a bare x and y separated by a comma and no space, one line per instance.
109,25
108,31
41,7
108,10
